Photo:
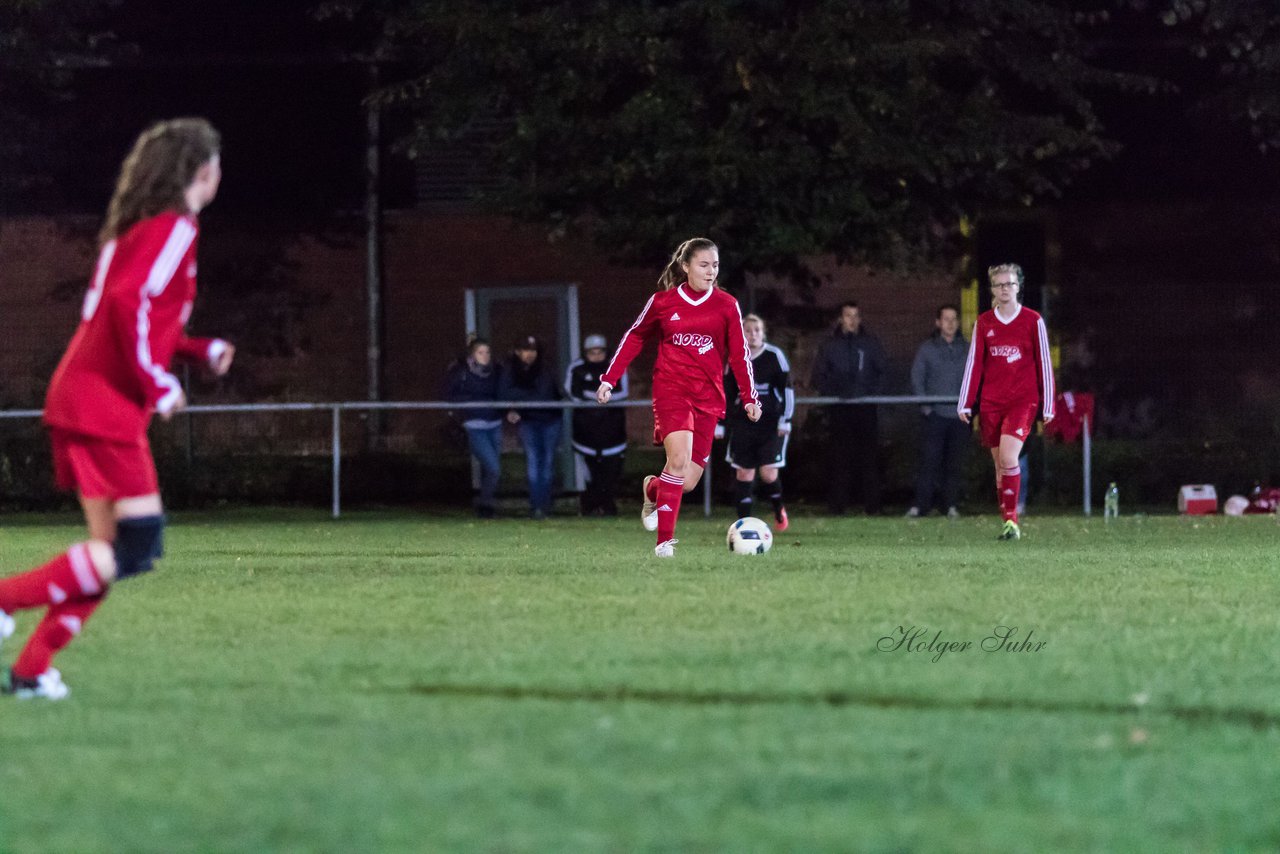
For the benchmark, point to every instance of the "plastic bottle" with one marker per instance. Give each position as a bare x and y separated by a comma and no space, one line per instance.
1111,505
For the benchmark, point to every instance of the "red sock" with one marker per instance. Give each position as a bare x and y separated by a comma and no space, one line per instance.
61,623
68,576
1010,483
669,492
651,491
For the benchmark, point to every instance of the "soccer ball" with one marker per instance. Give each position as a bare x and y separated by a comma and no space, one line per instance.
749,536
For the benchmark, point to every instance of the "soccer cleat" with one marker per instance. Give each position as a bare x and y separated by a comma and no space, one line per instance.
913,513
666,548
47,685
952,513
1011,531
648,509
781,518
6,626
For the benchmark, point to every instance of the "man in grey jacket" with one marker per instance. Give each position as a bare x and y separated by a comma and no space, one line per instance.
939,370
851,363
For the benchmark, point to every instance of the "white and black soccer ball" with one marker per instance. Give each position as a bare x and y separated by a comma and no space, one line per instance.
749,536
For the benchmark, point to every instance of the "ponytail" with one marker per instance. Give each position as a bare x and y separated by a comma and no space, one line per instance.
674,273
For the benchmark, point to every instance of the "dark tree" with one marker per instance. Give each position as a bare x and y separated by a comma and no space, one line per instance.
784,128
42,43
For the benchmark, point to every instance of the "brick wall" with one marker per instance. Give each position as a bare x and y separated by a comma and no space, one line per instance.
429,261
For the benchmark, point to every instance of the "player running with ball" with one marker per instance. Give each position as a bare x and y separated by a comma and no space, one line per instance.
113,376
699,328
1009,370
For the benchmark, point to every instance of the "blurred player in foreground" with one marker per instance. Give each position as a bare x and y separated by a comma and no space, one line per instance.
113,376
699,329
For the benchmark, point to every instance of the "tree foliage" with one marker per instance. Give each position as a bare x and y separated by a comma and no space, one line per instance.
41,43
1240,39
783,128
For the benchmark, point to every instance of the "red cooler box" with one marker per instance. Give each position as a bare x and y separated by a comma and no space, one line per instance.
1198,499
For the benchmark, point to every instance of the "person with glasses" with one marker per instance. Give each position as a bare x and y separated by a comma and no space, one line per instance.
1008,377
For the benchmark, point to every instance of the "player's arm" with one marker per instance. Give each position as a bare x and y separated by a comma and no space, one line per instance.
1044,364
740,362
633,341
212,353
130,311
783,383
973,368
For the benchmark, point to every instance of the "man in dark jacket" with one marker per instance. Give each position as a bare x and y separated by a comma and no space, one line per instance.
600,432
528,378
851,363
939,370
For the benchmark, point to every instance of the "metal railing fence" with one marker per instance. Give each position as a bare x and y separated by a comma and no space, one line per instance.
337,408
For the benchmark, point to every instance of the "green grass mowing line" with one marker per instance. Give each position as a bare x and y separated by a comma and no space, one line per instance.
392,682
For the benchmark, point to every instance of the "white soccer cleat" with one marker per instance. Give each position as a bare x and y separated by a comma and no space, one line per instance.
667,548
47,685
7,626
648,509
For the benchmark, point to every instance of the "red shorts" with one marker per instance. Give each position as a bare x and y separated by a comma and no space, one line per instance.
103,468
673,418
1015,421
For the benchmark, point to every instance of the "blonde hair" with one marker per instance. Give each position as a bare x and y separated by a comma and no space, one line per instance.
674,273
1006,268
155,176
755,318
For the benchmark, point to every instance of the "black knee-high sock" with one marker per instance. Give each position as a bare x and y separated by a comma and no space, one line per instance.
774,491
742,491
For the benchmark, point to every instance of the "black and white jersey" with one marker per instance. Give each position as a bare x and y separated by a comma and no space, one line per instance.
772,373
597,430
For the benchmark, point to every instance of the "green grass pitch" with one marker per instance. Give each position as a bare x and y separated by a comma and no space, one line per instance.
415,682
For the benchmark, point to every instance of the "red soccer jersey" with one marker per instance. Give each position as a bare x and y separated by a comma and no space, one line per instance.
697,334
1008,363
115,372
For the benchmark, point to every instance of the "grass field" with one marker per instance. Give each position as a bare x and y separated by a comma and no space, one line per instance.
408,682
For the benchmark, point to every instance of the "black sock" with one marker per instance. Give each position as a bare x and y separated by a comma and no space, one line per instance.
775,494
742,491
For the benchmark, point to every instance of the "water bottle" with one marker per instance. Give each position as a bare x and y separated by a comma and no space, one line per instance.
1111,505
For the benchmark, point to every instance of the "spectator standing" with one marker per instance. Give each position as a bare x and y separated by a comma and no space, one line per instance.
698,328
527,378
852,363
937,371
1008,377
599,434
474,379
761,445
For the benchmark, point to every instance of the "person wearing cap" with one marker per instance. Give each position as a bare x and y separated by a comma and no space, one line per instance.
527,378
599,435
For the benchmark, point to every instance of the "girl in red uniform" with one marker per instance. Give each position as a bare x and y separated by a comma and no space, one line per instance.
1009,370
699,328
113,376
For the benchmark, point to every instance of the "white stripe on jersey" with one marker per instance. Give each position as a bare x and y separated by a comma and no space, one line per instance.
1046,368
755,397
166,263
94,295
968,370
162,270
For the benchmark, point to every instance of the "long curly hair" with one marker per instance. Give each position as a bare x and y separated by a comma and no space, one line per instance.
155,176
674,273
